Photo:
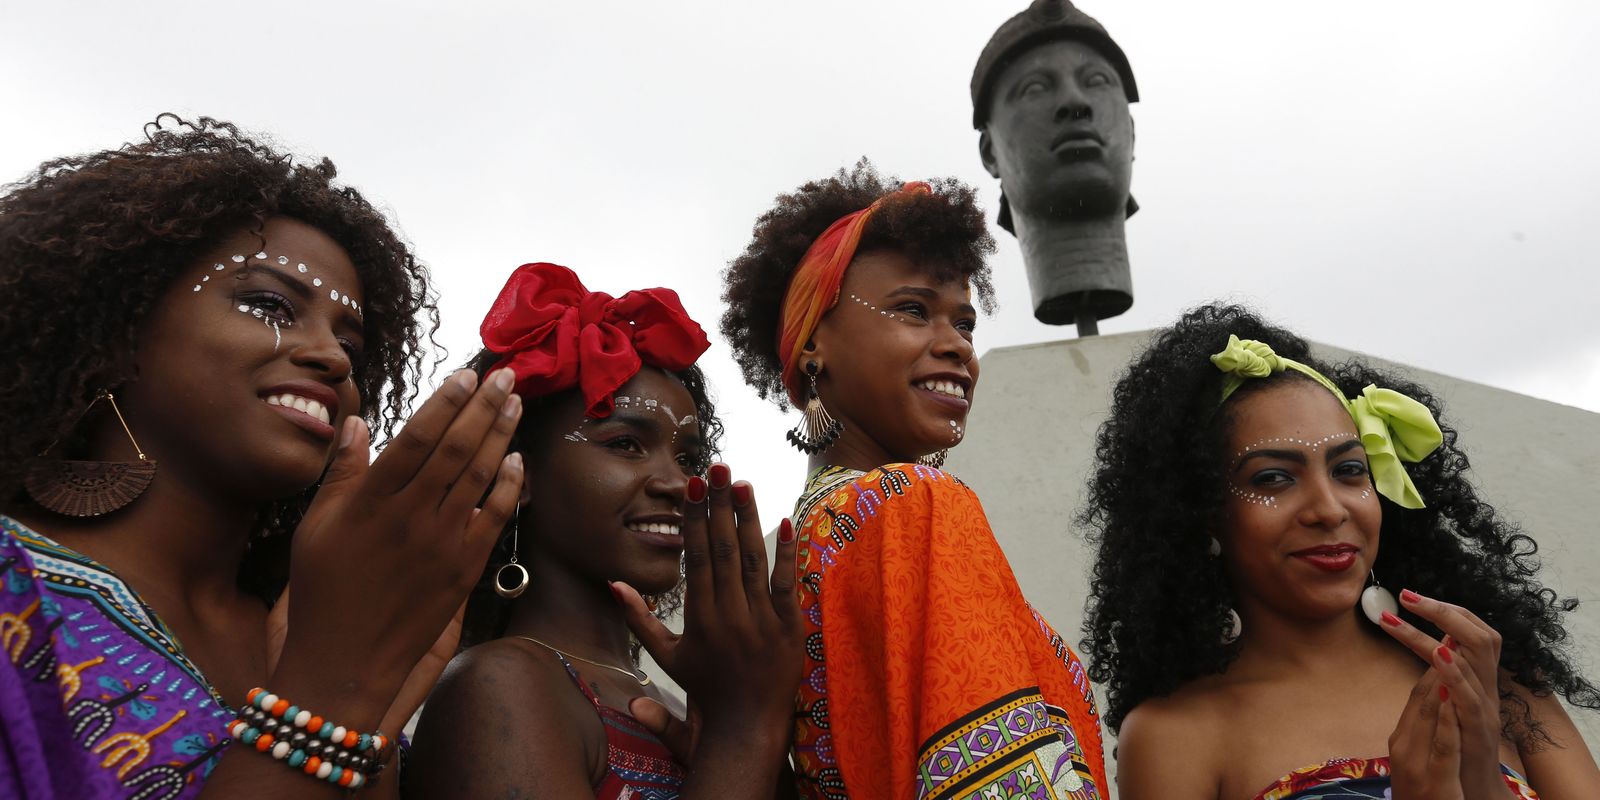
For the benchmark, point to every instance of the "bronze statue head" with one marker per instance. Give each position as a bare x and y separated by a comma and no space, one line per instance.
1050,95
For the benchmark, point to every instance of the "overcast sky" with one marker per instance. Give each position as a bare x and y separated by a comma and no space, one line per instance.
1416,179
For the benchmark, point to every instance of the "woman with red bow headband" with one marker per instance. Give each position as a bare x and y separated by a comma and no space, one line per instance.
616,432
927,673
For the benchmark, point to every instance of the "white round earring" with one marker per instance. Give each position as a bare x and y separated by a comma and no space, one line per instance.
1235,627
1375,600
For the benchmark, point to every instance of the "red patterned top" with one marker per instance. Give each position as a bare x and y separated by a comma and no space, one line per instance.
928,675
638,766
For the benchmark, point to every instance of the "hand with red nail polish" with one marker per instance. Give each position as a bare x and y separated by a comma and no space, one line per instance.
1467,687
741,652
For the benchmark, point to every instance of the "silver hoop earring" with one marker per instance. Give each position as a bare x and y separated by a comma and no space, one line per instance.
521,572
1375,600
1235,627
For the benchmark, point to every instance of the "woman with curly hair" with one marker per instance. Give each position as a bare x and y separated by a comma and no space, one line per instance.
927,673
1239,614
200,331
617,431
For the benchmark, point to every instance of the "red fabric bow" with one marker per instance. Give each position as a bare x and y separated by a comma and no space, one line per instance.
555,334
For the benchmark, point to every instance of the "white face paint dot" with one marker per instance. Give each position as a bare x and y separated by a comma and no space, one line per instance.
244,308
316,281
238,259
217,267
197,287
262,256
300,267
285,260
345,300
333,294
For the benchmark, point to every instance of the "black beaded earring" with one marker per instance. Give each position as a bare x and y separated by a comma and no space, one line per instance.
817,430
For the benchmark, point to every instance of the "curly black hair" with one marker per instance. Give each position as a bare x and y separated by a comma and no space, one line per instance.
943,231
1154,623
488,612
88,243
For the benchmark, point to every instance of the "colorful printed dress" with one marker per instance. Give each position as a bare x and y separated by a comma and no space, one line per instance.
1358,779
638,765
928,675
96,698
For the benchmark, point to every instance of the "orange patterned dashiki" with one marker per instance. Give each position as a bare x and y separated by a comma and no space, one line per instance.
928,675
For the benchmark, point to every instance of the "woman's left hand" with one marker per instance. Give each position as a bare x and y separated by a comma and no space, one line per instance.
742,649
1468,663
418,684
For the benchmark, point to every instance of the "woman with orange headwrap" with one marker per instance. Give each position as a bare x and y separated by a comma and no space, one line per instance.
927,673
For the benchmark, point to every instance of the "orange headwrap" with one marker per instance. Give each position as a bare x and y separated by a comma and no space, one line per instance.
814,289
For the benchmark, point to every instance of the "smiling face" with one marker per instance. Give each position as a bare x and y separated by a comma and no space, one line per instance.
898,364
244,366
1302,520
606,496
1060,136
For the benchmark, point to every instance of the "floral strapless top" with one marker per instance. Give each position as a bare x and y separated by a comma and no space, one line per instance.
1358,779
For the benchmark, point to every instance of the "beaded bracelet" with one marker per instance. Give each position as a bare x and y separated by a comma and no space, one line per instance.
309,743
349,739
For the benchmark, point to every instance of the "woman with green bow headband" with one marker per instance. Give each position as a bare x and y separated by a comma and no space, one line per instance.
1239,617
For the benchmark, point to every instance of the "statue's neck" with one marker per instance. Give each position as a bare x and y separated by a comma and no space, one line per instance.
1068,243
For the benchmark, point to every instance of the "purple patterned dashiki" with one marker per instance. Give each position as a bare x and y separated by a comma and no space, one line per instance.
97,700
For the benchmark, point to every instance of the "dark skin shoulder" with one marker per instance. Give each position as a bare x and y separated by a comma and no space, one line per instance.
505,722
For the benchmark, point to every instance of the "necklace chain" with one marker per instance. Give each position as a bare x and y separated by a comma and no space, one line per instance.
636,674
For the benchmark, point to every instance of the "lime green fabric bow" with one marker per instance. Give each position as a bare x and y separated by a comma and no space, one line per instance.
1393,428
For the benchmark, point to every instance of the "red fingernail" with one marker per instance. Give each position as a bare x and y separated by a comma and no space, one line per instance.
720,475
1452,644
1409,596
786,531
1446,656
1444,692
741,493
696,490
1390,619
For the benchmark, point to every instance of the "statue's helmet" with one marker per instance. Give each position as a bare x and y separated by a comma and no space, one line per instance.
1043,20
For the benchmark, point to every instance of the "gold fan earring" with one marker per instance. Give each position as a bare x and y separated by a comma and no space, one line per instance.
90,488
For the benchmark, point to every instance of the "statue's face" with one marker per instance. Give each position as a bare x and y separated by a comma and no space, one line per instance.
1060,136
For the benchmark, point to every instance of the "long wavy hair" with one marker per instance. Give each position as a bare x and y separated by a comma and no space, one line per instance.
89,243
1155,622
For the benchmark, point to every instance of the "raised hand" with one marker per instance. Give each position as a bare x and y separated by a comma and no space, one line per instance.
1425,747
387,553
742,649
1467,663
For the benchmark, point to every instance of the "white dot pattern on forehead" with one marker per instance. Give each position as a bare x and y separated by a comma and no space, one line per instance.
197,287
1313,444
647,403
333,294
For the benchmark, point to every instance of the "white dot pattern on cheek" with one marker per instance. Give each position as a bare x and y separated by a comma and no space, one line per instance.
1252,497
880,311
956,432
